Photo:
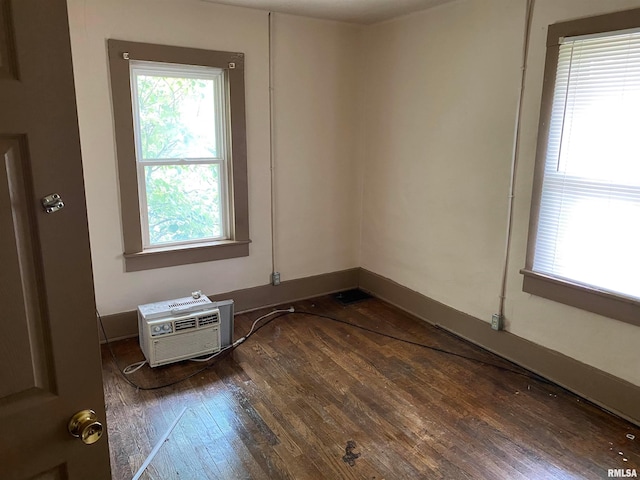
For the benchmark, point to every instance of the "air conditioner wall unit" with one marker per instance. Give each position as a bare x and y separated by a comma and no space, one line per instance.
184,328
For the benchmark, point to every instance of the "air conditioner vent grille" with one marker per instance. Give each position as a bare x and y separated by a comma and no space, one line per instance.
184,324
188,302
208,319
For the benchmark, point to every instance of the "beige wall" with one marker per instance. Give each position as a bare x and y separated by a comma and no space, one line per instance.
441,98
315,175
392,152
316,68
441,102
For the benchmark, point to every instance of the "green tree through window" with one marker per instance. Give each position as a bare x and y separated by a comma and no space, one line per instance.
183,202
178,152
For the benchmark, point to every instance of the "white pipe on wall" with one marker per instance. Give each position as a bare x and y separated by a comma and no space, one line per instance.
272,149
515,155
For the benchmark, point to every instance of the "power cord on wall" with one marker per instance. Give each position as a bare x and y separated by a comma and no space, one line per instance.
253,330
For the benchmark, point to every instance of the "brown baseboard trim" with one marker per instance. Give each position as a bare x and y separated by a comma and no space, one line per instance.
125,324
613,394
119,326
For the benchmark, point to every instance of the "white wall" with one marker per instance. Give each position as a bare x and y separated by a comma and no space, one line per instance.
316,68
441,95
416,147
441,103
322,214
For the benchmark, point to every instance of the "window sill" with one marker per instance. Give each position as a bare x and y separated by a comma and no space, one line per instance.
184,255
609,304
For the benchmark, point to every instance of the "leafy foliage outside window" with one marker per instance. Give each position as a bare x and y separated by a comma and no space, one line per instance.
177,125
183,202
177,117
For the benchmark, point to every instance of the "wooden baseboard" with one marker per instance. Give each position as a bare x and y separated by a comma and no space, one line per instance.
611,393
118,326
125,324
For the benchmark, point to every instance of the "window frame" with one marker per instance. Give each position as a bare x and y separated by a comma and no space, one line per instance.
136,256
612,305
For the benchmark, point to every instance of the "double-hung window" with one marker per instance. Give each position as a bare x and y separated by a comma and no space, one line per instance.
181,154
584,244
180,134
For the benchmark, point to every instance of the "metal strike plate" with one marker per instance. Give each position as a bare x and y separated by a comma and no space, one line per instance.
52,203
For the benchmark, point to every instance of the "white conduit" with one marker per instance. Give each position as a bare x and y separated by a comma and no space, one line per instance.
272,150
515,154
159,444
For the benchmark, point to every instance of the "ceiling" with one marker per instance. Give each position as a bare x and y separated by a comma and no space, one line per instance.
354,11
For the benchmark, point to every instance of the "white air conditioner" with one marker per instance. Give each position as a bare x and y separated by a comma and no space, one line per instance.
184,328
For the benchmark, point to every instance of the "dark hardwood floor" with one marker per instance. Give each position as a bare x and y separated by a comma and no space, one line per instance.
310,398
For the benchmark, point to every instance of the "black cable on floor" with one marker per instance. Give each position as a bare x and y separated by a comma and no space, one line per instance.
530,375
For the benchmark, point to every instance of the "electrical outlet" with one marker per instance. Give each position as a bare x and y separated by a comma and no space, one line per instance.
497,321
275,278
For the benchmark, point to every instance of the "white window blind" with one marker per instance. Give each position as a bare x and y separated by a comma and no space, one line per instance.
589,220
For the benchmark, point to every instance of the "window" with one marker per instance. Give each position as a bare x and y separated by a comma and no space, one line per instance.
181,146
584,245
179,122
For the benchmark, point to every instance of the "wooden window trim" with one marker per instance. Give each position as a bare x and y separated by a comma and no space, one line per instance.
135,256
584,297
619,307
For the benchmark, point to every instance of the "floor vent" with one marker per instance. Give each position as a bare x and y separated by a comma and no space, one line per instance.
351,296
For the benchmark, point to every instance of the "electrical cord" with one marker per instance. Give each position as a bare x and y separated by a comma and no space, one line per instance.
134,367
288,310
253,330
242,339
428,347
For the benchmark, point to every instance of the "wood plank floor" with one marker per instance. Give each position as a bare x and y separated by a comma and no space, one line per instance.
309,398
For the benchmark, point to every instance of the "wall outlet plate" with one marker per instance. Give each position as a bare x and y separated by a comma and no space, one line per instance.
497,321
275,278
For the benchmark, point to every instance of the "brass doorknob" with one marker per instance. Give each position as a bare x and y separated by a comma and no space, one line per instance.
85,426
